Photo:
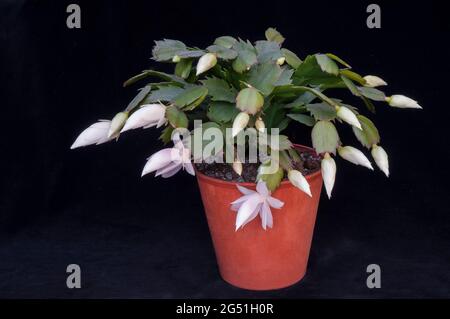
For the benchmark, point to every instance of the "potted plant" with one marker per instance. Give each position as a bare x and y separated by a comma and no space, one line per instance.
239,96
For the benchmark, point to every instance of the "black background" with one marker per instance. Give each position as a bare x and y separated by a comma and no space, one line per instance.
148,238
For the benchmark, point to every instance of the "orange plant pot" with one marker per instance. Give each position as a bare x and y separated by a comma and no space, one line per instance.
254,258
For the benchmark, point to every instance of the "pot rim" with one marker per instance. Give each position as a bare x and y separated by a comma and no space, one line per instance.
283,183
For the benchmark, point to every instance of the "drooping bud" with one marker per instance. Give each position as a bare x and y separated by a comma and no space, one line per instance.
381,158
281,60
206,62
299,181
402,102
348,116
239,123
259,124
354,156
328,167
176,58
117,123
374,81
237,167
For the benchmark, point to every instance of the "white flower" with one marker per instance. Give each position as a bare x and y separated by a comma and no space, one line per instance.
348,116
117,123
259,124
167,162
299,181
97,133
254,203
328,167
237,167
374,81
206,62
381,158
402,102
354,156
148,115
239,123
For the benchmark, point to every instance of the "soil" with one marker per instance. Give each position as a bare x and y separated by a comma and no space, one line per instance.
309,163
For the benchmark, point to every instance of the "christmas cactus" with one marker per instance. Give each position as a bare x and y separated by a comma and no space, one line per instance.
261,88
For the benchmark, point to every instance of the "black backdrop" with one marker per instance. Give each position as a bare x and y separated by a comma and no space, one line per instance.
148,237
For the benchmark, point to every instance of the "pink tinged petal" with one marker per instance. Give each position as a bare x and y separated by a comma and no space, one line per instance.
275,203
266,216
168,168
158,160
253,215
241,199
244,190
262,189
189,168
97,133
172,172
247,209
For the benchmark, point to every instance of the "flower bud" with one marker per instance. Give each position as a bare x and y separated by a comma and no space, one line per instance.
117,123
354,156
206,62
299,181
97,133
281,60
374,81
146,116
237,167
239,123
260,126
328,167
176,58
402,102
348,116
381,158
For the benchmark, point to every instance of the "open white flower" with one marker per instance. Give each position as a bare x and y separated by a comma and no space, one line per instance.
355,156
328,167
254,203
381,158
373,81
97,133
402,102
299,181
148,115
345,114
206,62
167,162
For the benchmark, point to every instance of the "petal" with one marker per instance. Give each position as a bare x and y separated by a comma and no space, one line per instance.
244,190
266,216
274,202
247,209
381,159
189,168
262,189
166,169
172,172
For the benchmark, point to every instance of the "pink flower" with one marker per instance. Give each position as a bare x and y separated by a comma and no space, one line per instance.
167,162
254,203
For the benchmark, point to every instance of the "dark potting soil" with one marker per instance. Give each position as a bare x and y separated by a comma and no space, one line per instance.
308,164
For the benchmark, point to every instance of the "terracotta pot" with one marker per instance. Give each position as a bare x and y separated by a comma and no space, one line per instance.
254,258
